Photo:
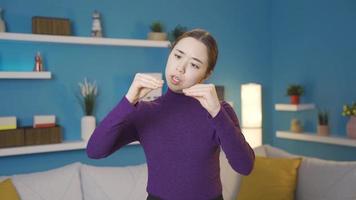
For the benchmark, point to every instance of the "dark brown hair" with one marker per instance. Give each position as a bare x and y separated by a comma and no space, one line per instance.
207,39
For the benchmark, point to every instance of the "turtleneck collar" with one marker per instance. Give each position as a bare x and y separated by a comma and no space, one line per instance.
170,94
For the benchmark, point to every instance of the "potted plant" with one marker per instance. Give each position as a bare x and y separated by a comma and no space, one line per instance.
2,22
176,32
350,111
89,92
295,91
323,123
157,31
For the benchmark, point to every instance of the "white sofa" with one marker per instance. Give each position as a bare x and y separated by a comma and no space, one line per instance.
317,179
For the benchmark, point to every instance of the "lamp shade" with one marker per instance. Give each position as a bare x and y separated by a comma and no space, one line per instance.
251,105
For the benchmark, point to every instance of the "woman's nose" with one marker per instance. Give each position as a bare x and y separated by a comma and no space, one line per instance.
181,66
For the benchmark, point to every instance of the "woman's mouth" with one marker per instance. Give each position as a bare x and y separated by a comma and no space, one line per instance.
175,80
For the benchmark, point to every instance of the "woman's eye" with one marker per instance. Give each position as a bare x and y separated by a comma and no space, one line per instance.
177,56
195,66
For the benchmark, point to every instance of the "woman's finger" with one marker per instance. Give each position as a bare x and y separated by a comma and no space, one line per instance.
196,93
199,87
148,82
149,77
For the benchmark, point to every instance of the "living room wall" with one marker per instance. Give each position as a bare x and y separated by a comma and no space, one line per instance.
313,44
242,30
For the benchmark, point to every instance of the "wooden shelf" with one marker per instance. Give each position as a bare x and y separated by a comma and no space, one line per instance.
83,40
312,137
292,107
25,75
45,148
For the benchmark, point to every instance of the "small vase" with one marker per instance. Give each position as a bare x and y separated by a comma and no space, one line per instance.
2,22
294,99
158,36
323,130
296,126
87,127
351,127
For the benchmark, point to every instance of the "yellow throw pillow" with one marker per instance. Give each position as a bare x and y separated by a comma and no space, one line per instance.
270,179
8,190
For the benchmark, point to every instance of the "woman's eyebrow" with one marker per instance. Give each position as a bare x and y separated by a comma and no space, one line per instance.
182,52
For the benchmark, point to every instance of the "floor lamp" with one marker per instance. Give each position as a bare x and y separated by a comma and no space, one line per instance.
251,108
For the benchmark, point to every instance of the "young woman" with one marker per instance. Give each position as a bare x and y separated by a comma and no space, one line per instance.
182,131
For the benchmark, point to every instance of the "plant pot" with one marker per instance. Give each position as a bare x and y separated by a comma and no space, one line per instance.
294,99
87,127
157,36
323,130
351,127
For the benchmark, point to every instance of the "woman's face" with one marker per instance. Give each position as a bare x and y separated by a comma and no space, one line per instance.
187,64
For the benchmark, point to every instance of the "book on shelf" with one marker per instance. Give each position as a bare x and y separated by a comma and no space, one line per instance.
7,123
44,121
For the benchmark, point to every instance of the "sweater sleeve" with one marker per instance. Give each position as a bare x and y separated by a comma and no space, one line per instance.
238,152
113,132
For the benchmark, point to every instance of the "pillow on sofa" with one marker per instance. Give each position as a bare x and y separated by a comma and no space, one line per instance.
275,152
326,180
229,178
271,178
8,190
111,183
57,184
2,178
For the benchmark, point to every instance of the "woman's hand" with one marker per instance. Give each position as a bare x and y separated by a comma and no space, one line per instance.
141,86
206,95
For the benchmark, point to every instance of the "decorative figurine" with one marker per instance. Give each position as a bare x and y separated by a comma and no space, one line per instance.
295,126
2,22
38,63
96,30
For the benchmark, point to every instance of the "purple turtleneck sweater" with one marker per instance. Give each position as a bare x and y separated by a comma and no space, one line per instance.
181,142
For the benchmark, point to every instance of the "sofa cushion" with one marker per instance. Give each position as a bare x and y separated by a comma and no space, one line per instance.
112,183
326,180
57,184
271,178
8,190
231,179
2,178
275,152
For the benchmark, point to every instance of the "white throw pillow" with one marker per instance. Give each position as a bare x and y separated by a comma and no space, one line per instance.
326,180
230,179
114,183
57,184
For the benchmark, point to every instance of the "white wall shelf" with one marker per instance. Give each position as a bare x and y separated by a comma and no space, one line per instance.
292,107
25,75
312,137
45,148
83,40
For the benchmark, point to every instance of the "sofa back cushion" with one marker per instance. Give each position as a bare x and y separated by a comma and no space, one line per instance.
326,180
112,183
57,184
231,179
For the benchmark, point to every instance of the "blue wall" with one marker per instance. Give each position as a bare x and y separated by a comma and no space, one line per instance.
242,30
314,44
272,42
